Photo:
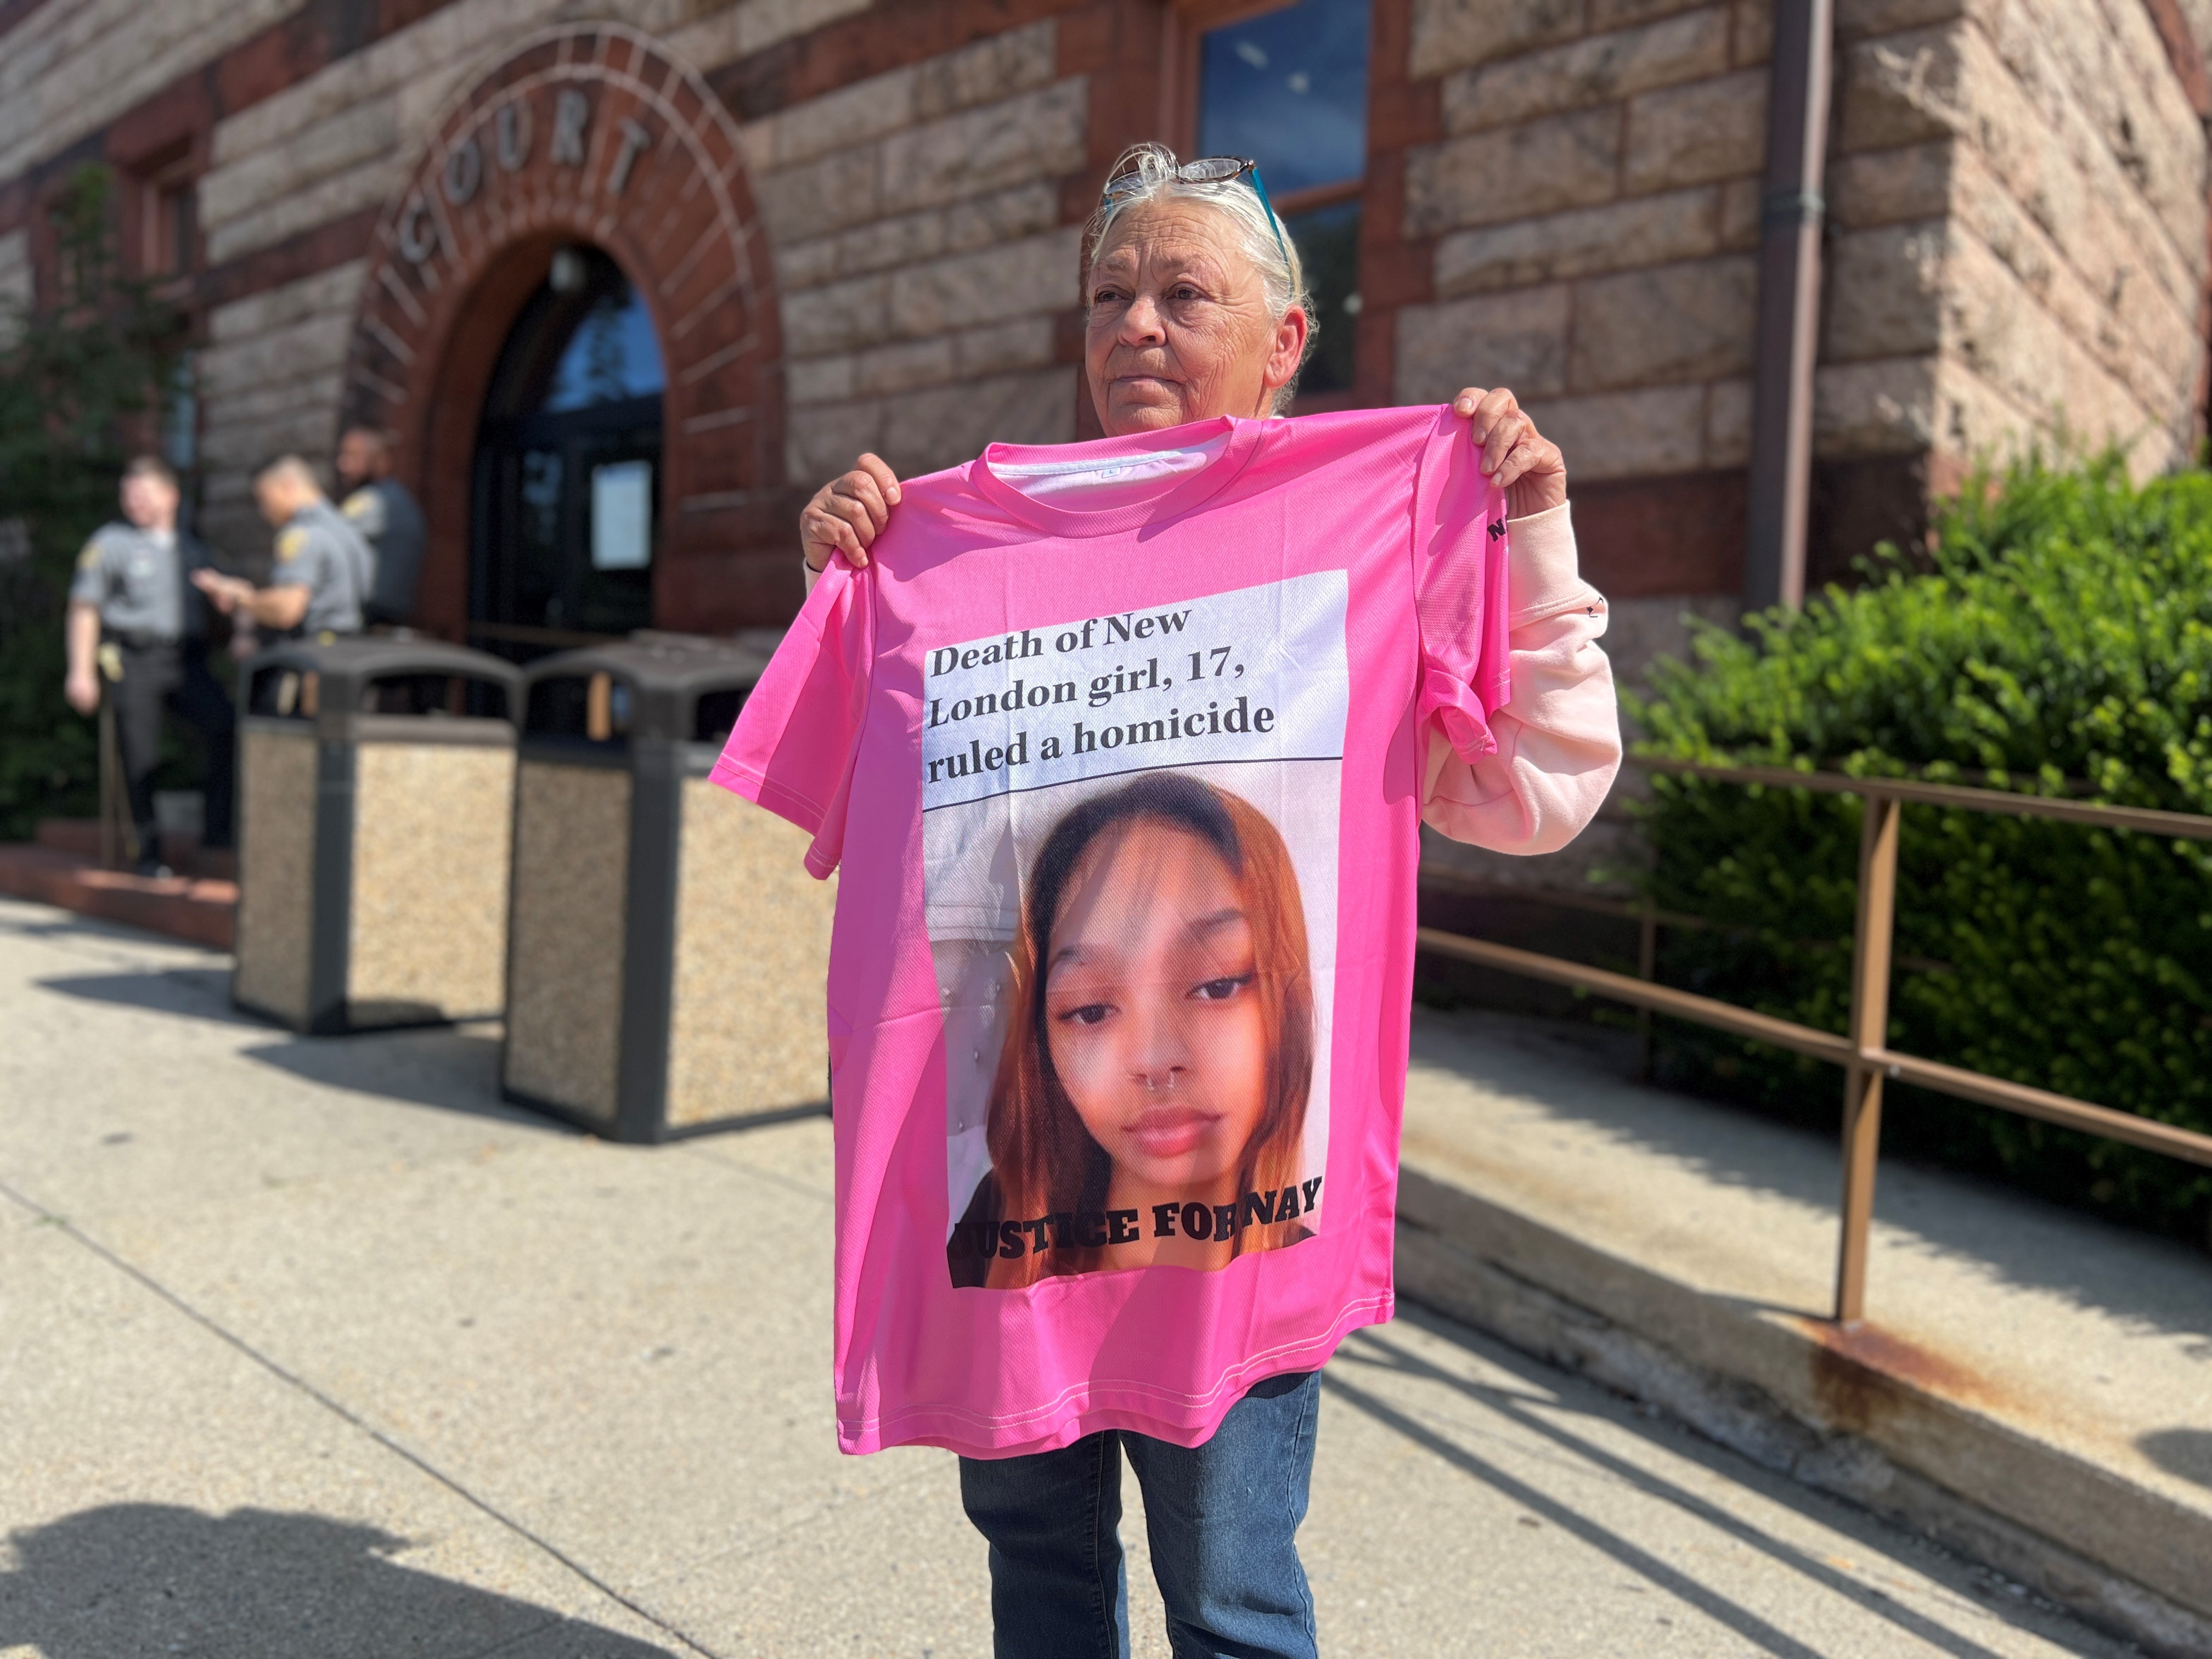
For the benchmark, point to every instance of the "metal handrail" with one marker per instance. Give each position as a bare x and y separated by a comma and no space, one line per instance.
1867,1058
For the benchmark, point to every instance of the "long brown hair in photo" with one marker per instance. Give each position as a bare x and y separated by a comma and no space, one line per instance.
1044,1160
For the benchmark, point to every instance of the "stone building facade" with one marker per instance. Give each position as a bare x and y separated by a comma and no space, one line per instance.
854,223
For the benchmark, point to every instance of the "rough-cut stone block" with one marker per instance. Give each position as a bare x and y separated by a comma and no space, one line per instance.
1627,434
754,26
314,345
837,317
1671,323
903,367
1890,186
851,115
1727,423
1881,408
1857,18
1593,70
802,264
1713,129
1740,210
820,443
357,134
1448,34
1517,340
68,73
992,68
304,400
841,190
1646,230
365,186
1563,162
1037,135
1001,216
1617,13
946,425
1751,38
819,380
1015,279
1900,89
1887,292
1002,346
327,293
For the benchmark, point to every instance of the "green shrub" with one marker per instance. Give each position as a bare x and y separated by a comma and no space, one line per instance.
2057,641
76,377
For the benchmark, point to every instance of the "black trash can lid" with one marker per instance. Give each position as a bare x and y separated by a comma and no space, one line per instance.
354,661
666,674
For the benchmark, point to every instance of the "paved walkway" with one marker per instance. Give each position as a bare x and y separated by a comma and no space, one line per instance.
309,1347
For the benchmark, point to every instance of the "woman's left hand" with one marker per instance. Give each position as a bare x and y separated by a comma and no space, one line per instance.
1523,462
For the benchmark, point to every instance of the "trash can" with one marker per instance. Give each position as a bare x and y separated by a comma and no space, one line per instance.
376,783
667,951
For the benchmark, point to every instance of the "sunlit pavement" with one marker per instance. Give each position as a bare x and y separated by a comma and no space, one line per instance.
310,1347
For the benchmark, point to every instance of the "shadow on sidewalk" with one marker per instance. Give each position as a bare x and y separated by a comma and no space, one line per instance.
453,1068
1489,1430
148,1578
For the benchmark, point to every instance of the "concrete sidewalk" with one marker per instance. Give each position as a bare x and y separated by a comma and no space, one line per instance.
309,1347
2029,1379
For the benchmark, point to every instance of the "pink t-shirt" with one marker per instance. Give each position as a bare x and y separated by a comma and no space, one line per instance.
1118,751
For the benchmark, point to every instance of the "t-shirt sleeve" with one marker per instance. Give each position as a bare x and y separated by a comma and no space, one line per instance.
794,743
1460,591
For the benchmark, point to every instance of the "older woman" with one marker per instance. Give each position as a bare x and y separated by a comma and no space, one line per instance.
1197,309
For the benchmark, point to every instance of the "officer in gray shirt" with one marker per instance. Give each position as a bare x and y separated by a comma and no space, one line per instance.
134,621
380,507
323,569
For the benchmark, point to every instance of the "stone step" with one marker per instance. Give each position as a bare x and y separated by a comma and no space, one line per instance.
198,909
2031,1387
80,837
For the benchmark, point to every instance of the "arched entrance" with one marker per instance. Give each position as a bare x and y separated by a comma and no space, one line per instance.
592,143
565,501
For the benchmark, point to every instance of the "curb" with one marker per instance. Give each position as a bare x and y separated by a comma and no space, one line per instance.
1858,1414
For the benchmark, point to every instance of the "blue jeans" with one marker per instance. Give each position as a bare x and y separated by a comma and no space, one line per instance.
1222,1520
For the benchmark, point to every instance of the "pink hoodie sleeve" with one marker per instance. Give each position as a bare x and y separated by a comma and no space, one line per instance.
1558,733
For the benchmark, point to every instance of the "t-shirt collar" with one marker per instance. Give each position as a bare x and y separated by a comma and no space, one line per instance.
1176,497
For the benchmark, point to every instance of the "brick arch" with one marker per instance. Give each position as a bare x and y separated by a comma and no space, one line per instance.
593,133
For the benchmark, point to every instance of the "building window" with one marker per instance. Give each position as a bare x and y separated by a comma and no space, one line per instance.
168,221
1289,88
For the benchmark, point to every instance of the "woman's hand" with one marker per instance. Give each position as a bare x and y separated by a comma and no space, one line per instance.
1523,463
847,513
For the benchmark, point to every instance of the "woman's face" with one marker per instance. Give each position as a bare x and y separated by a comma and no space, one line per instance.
1153,1006
1178,328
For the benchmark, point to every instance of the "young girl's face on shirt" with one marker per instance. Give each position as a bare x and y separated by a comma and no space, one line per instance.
1152,1008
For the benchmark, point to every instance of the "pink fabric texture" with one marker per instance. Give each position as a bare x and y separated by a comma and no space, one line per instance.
1274,648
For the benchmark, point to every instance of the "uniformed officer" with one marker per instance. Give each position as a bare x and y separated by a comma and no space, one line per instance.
388,520
131,611
323,569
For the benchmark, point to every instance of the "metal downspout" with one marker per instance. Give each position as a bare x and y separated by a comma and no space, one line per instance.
1791,212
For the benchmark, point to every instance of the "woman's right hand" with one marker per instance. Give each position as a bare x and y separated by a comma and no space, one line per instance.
847,513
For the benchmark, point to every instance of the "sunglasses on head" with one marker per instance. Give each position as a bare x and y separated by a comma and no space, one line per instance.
1206,170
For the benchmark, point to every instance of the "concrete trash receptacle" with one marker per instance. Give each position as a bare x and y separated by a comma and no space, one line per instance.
376,778
667,950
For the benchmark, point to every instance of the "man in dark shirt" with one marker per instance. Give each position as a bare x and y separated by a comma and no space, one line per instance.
388,520
133,617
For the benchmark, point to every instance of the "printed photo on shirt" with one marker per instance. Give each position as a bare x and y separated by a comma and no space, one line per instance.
1130,860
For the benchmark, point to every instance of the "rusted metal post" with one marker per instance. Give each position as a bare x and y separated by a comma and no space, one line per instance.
1870,964
1647,967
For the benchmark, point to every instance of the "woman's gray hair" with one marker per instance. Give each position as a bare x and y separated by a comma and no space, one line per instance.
1273,254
